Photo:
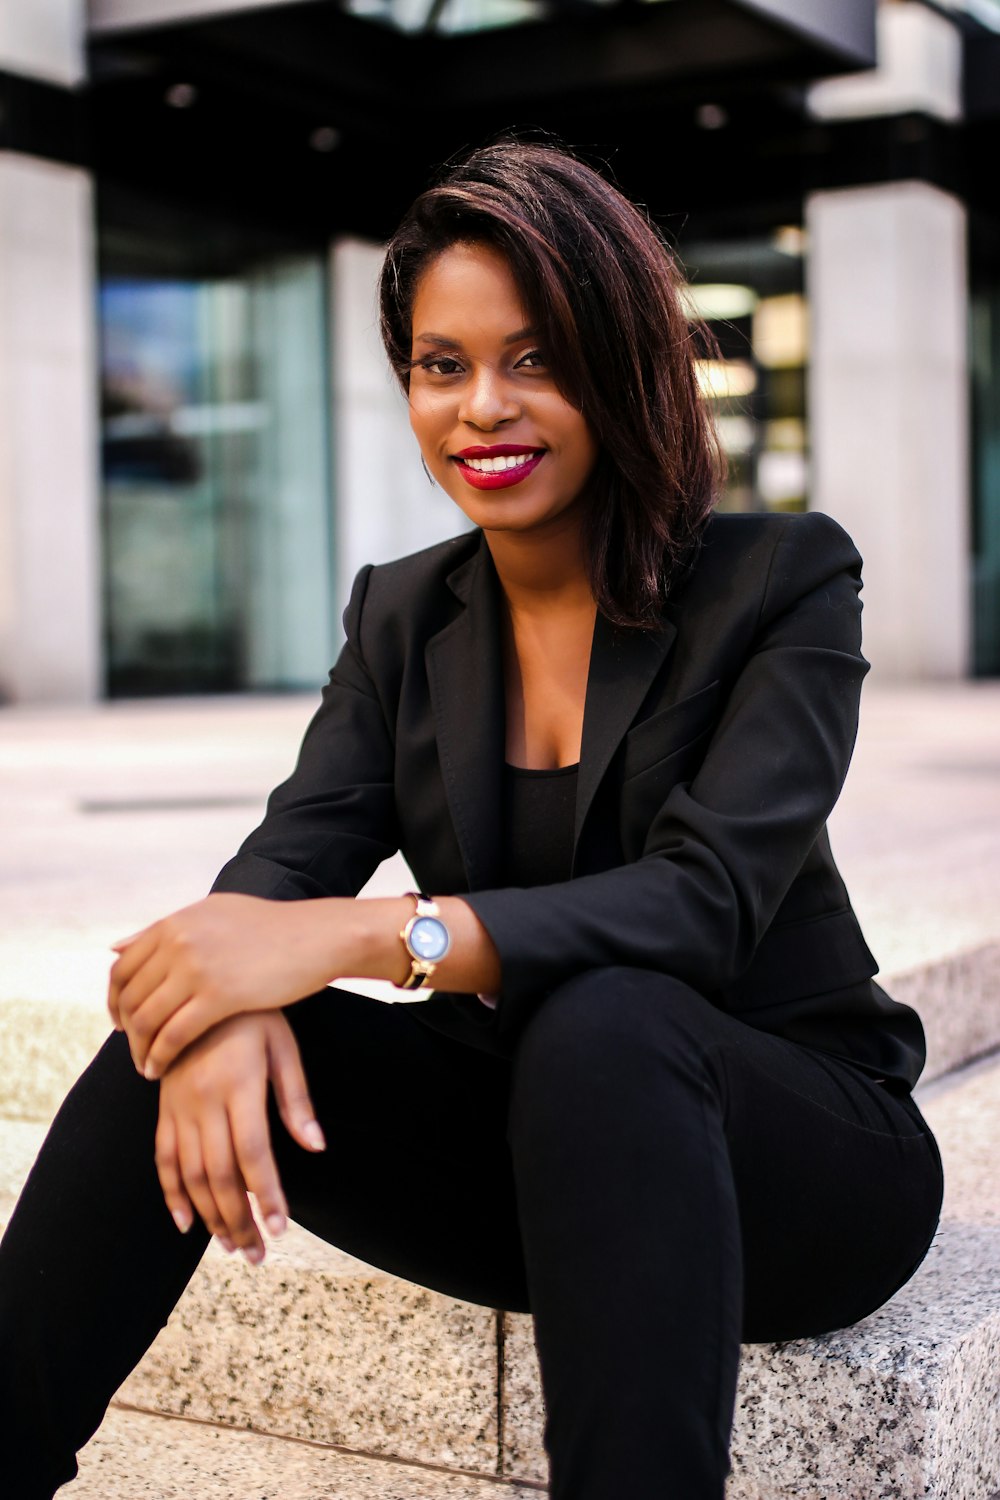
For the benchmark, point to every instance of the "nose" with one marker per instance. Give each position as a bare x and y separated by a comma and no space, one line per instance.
487,399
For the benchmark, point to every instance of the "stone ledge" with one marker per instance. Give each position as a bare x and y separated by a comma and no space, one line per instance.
334,1352
958,1000
44,1047
891,1409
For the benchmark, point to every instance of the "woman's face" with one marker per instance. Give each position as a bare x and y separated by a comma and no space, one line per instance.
494,430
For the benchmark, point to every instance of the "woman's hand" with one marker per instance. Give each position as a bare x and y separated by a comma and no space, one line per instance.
213,1145
224,955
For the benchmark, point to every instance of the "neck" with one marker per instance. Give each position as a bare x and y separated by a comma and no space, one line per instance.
542,574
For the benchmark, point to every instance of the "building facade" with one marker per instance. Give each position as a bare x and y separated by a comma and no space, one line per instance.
199,442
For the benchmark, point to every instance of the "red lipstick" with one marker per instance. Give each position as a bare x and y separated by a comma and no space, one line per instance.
489,473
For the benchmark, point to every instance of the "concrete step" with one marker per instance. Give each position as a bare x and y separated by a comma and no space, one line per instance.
137,1454
316,1346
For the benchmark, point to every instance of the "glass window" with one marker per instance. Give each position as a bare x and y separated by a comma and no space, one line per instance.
216,478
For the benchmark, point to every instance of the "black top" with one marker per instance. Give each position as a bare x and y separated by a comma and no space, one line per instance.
539,809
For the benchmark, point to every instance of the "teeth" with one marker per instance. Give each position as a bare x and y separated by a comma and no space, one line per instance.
499,464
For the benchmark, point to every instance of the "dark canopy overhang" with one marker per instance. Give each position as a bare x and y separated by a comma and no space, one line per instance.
308,113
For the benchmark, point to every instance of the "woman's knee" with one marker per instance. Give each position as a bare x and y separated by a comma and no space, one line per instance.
613,1008
604,1032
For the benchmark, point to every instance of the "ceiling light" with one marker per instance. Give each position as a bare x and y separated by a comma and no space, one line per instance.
324,138
181,95
723,379
711,116
715,301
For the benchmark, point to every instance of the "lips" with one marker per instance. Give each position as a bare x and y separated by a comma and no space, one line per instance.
499,466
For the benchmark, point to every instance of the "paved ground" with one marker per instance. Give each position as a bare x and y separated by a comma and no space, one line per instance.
116,814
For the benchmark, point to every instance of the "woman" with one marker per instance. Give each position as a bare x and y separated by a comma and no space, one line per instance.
656,1098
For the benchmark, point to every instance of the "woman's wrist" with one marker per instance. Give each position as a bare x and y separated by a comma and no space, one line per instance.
366,943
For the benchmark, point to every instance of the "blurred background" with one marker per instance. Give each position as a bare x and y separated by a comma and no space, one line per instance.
199,443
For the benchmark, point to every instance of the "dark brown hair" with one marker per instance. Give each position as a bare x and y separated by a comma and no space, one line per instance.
601,285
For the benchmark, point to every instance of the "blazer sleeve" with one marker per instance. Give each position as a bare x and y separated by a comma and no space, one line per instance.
329,826
725,846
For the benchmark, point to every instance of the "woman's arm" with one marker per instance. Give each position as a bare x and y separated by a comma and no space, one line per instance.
231,954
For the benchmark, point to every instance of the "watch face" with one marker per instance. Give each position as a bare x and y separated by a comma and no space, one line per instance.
429,939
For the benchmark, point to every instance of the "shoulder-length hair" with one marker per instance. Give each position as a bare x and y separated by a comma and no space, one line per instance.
602,287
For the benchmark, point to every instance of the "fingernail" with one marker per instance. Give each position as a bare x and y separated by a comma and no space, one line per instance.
253,1255
150,1071
314,1135
181,1220
275,1224
226,1243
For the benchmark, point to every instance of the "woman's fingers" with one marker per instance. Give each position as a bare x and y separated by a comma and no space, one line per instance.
252,1140
194,1177
291,1091
147,1021
130,995
212,1176
128,963
169,1172
230,1189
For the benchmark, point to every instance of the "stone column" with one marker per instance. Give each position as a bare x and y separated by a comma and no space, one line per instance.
49,532
888,413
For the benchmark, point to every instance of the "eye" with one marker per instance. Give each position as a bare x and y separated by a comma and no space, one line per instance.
440,364
533,359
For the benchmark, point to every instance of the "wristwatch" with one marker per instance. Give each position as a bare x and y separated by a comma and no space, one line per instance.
426,940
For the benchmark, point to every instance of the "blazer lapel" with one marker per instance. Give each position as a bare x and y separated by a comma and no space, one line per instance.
623,664
465,672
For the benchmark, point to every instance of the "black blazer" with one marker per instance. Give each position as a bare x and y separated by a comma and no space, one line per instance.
713,750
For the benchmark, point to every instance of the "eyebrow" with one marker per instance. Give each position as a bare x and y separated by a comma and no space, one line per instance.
443,342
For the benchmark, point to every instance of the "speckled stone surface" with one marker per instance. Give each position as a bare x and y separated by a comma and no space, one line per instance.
314,1345
523,1411
19,1143
905,1404
43,1050
140,1457
958,1000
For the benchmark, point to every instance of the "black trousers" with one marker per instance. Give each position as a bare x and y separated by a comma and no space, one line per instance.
652,1179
